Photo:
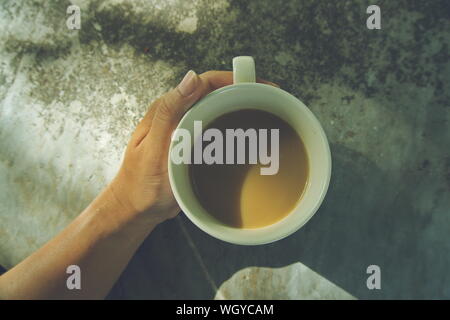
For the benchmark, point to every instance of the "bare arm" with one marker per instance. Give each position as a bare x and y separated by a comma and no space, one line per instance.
104,237
101,241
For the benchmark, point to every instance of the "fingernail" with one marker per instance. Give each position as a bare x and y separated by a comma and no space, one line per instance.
274,84
188,84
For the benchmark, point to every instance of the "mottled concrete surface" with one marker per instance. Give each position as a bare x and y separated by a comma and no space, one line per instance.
69,100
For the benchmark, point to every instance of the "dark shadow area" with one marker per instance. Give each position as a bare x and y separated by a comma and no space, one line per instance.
165,267
344,217
2,270
365,219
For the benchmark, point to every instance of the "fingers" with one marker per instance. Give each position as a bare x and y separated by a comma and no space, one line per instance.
217,79
267,82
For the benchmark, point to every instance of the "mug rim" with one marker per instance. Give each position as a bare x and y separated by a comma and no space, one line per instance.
264,234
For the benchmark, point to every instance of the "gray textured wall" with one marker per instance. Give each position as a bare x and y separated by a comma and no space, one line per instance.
69,100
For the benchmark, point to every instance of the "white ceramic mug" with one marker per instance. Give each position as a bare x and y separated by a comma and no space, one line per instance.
245,93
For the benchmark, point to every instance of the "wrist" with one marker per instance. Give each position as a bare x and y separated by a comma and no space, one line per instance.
143,206
112,193
110,216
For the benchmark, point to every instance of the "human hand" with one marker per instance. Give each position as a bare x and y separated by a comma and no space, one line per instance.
104,237
142,184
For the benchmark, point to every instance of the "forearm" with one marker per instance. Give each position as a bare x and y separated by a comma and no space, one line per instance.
101,241
105,236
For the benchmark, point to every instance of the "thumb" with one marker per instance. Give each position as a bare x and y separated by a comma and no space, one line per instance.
176,102
171,107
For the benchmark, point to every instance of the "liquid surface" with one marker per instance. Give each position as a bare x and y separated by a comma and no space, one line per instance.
237,194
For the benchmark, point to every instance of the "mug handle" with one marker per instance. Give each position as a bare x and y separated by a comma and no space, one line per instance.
243,69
